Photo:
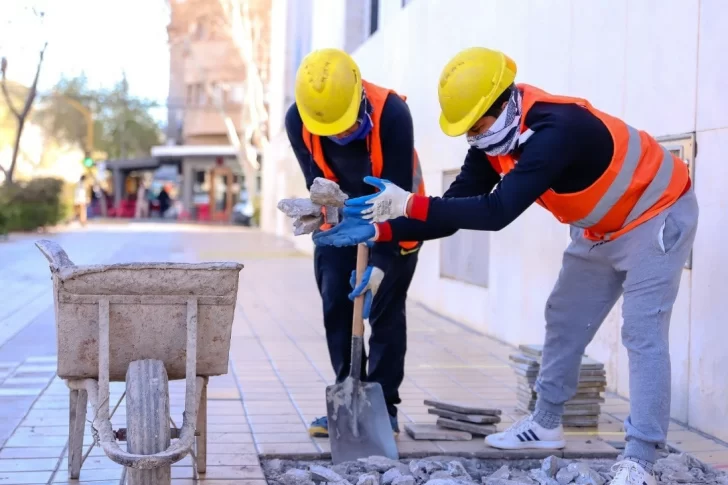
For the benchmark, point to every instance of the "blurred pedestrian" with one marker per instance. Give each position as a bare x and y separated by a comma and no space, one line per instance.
164,200
80,200
142,204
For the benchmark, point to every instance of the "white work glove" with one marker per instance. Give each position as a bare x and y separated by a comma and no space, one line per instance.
389,203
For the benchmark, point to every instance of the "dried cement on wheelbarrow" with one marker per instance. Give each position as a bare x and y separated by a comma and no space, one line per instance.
443,470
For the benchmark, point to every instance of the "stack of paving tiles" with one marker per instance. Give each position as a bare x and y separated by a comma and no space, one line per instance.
455,422
583,409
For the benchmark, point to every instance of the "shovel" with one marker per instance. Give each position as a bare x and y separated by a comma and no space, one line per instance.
359,425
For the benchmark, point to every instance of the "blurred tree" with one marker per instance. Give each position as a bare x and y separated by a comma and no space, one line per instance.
20,112
123,127
126,129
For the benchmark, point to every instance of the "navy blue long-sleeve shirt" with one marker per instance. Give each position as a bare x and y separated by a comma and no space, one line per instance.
351,162
568,151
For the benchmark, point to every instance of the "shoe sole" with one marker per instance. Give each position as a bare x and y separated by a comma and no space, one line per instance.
528,445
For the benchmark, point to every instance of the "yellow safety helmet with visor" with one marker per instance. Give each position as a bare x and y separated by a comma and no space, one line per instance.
469,85
328,91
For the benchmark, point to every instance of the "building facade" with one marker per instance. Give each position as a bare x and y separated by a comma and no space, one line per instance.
626,58
206,88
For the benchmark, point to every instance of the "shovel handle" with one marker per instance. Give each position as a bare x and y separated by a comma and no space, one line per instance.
362,259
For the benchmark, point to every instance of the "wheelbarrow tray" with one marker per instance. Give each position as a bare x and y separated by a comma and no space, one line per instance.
147,315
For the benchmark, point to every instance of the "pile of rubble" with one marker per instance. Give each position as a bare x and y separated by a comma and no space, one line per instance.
442,470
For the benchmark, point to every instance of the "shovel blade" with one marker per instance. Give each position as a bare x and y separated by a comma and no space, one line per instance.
359,425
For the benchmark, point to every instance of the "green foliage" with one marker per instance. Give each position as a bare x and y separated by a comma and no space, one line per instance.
123,127
38,203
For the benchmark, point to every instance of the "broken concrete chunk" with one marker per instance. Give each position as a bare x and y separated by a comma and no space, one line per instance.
566,476
299,207
327,192
522,477
390,475
371,478
457,470
470,418
541,477
502,472
552,465
380,463
306,224
404,480
476,429
585,475
323,474
448,481
433,432
295,476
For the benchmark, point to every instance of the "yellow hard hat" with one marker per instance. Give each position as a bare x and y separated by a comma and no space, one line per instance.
469,85
328,91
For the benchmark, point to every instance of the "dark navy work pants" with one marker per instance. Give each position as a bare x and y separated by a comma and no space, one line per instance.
388,341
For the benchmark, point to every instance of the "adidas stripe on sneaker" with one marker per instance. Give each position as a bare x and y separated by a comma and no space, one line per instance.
526,433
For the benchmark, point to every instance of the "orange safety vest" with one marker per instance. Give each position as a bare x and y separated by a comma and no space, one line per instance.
376,96
642,180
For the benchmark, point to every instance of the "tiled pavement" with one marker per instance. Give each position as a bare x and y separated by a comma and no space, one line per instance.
279,368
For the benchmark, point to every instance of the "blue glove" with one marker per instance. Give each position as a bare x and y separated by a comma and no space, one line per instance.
370,281
349,232
389,203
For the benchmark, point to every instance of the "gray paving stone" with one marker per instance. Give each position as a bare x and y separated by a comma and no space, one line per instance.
25,478
35,452
470,418
28,465
589,448
433,432
477,429
461,408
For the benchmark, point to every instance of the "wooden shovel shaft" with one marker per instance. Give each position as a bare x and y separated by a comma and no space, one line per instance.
362,260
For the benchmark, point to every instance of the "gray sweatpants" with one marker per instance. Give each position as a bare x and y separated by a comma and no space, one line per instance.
645,264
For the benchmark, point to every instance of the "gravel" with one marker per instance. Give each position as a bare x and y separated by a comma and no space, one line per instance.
444,470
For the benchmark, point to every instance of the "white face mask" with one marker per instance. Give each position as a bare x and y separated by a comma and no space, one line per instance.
502,137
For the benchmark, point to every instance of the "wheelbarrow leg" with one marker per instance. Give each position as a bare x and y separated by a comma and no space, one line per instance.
76,424
201,440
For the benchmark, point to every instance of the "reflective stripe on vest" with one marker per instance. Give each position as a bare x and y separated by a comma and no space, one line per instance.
377,96
642,179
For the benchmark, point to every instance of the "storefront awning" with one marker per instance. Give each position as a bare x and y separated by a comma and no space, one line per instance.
189,151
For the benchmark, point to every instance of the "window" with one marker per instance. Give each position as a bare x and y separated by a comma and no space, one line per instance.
465,256
685,148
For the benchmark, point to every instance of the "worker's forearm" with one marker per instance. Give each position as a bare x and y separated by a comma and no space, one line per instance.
403,229
479,213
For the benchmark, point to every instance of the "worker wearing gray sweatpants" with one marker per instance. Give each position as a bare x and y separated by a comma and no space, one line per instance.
645,265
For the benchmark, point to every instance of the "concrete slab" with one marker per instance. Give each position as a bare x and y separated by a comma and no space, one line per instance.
436,433
477,429
462,408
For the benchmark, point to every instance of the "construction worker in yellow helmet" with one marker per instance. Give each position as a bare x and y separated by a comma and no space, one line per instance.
633,217
344,128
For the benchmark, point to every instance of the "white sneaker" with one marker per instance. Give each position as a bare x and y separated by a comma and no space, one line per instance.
630,473
527,433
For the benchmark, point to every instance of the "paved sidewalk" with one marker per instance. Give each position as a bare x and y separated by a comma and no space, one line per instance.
279,366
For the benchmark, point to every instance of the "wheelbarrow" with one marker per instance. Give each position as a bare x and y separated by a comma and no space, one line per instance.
143,324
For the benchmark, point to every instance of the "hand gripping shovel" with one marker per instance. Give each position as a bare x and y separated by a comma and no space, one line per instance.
359,424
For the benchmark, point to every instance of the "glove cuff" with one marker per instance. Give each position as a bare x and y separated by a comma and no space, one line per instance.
382,232
419,208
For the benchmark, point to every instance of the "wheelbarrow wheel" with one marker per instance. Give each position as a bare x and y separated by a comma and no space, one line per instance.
147,419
